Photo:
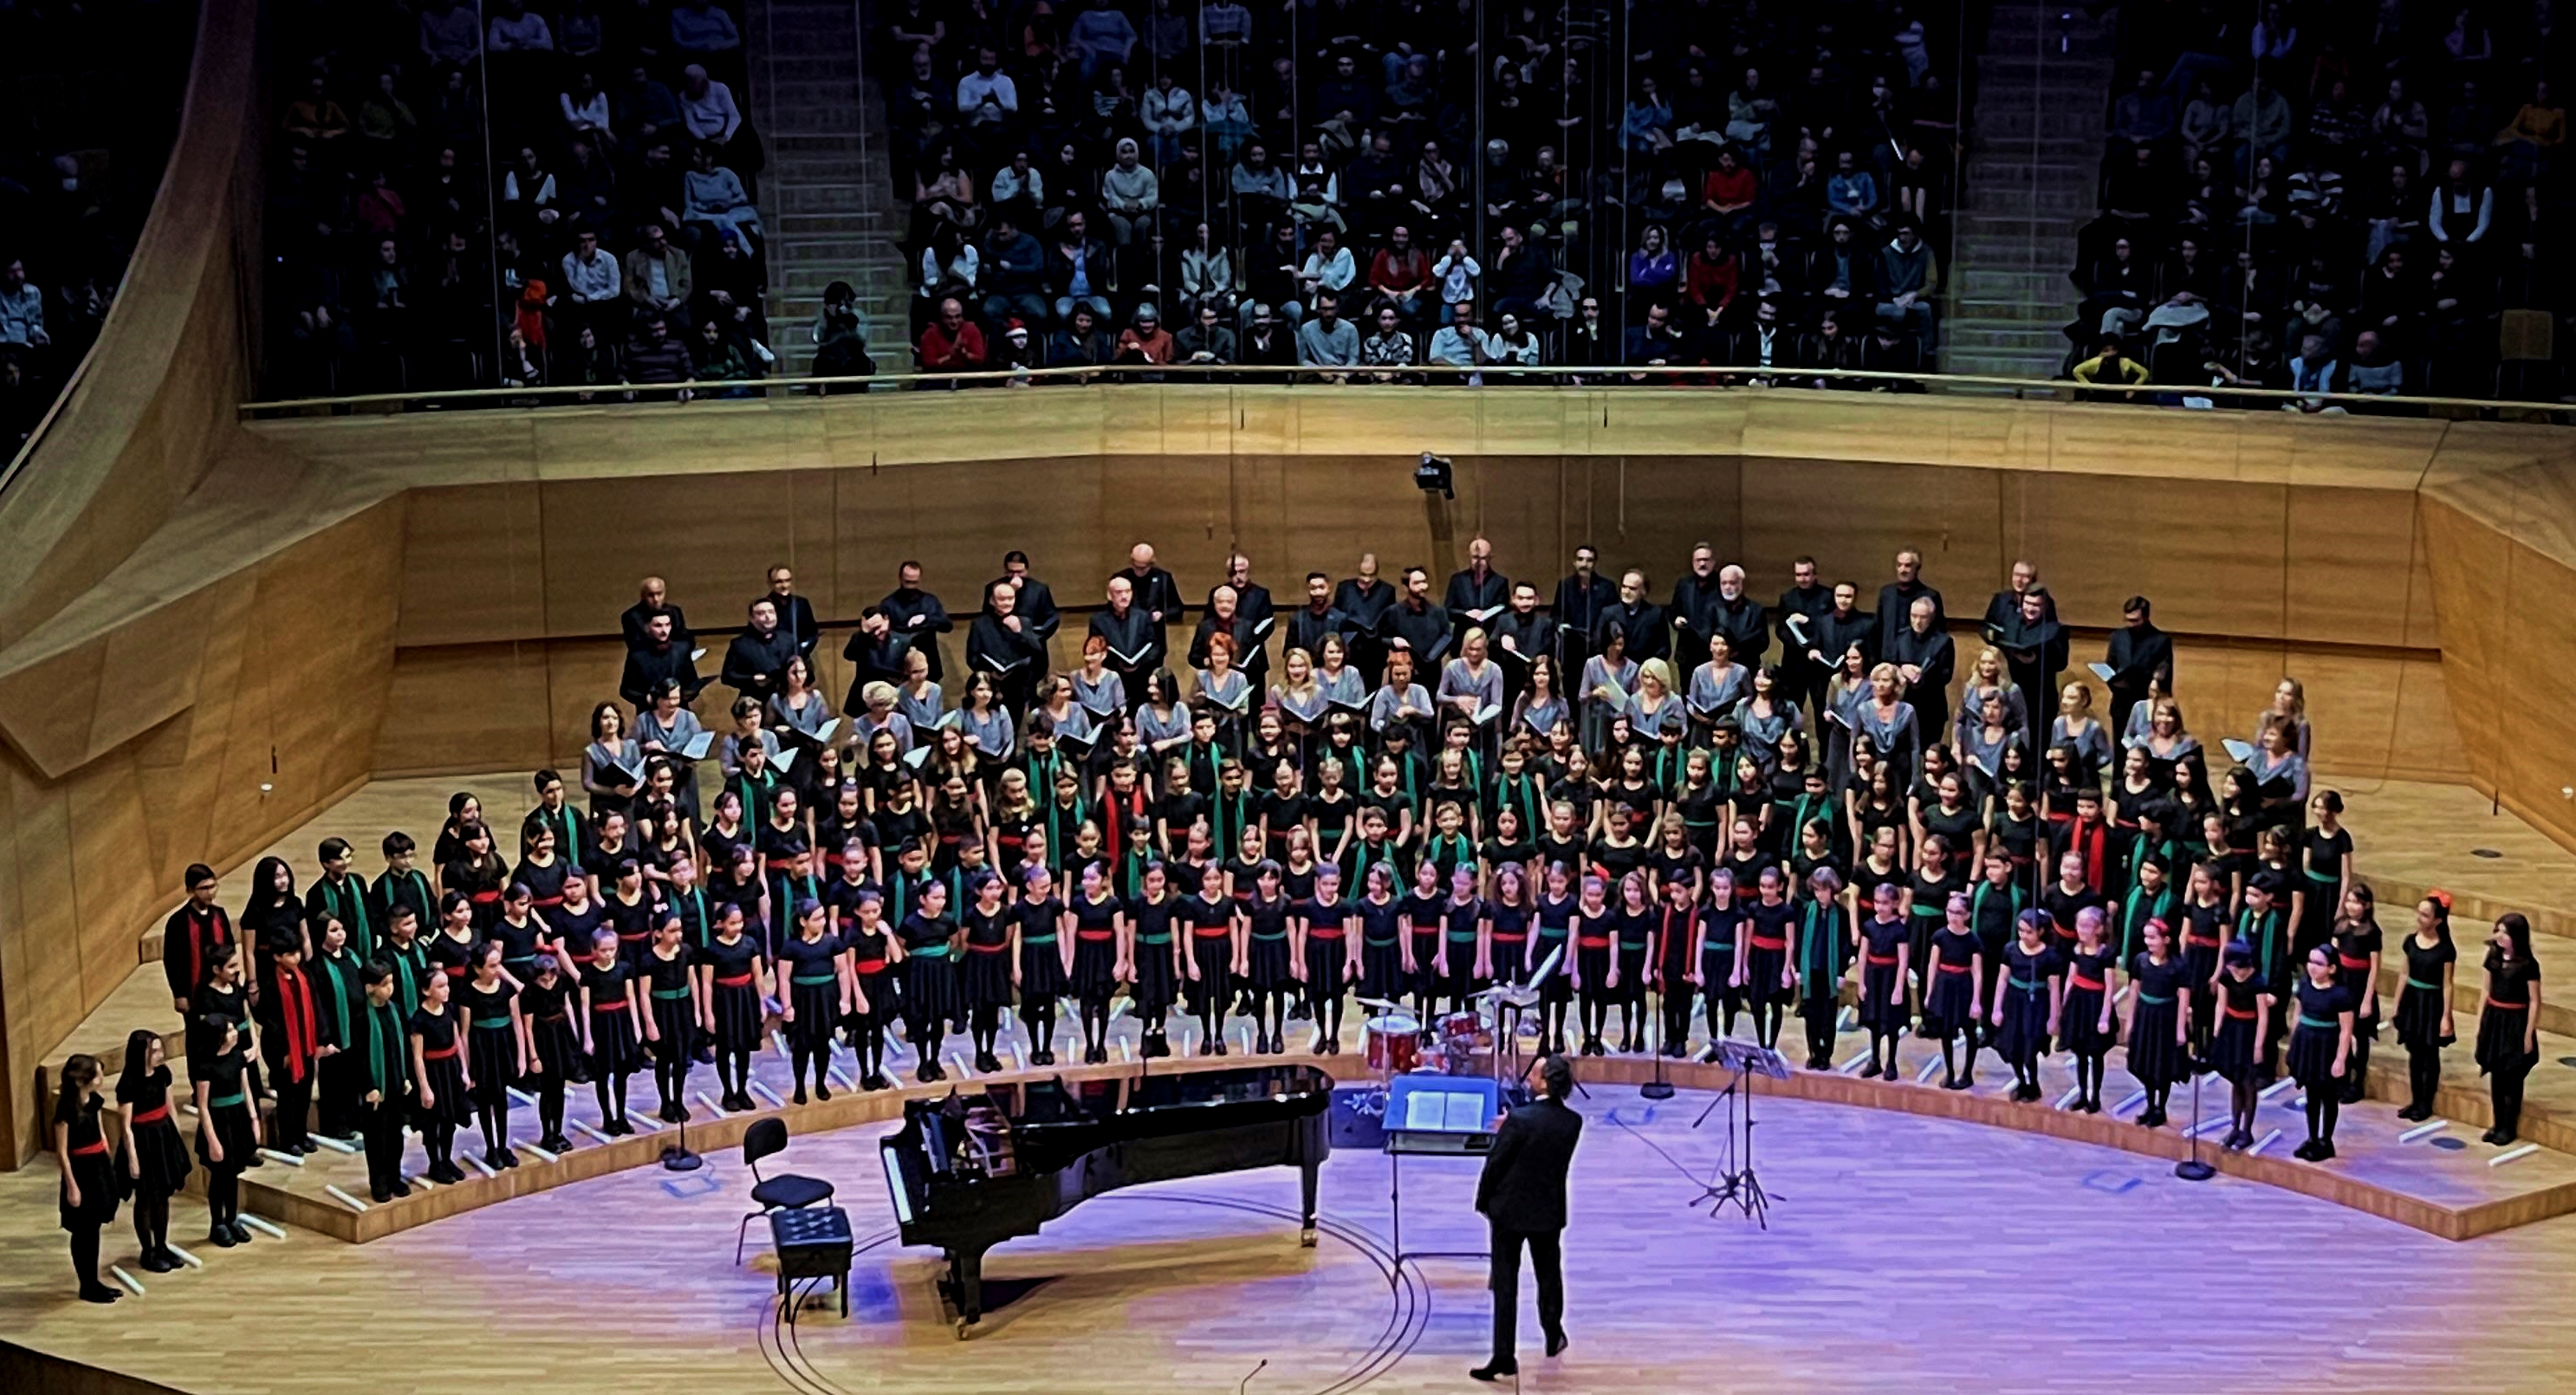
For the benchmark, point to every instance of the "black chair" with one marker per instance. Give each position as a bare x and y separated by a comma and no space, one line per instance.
787,1191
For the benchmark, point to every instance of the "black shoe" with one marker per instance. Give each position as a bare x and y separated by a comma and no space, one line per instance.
1868,1072
1493,1371
2491,1136
152,1261
1041,1058
221,1237
1557,1342
241,1232
98,1293
400,1188
2325,1150
2505,1138
797,1098
508,1158
822,1092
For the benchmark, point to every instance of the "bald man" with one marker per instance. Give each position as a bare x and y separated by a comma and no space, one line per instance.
653,598
1694,609
1479,595
1896,599
1740,618
1157,597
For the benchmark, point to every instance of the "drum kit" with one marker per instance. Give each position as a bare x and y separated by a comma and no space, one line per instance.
1398,1043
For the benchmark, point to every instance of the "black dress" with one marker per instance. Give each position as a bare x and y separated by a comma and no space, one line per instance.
2419,1003
2088,988
872,973
1460,921
929,978
160,1154
1095,946
813,986
2353,950
1422,919
1212,951
442,1074
1157,982
491,1041
2316,1034
2233,1050
1266,958
671,996
1554,937
616,1039
2508,1009
550,1025
1767,929
984,978
736,999
1381,950
1882,1004
1948,1003
2023,1037
88,1162
1042,975
2155,1058
1634,929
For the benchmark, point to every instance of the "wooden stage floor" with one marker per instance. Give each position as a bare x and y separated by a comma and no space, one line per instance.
1904,1253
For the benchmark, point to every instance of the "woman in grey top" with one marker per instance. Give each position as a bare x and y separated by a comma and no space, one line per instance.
612,765
1400,699
880,716
1223,690
1765,716
1608,679
1717,686
1102,694
986,723
666,729
1472,682
1161,723
919,700
1539,710
1990,678
1342,684
798,706
1655,709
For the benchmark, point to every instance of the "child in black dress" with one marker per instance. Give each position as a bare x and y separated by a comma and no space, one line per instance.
1216,955
2357,946
1153,953
438,1083
2027,999
1042,961
1320,957
156,1158
733,977
2508,1031
1713,964
488,1017
1099,960
867,943
2245,1006
1634,921
554,1045
1887,952
1762,967
2090,1026
2160,997
984,975
1676,966
1956,1001
2321,1048
228,1126
89,1187
610,1038
1826,939
1593,947
928,938
2424,1024
813,993
1423,917
671,1016
1265,956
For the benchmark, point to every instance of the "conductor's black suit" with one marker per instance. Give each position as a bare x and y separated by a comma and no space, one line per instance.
1522,1196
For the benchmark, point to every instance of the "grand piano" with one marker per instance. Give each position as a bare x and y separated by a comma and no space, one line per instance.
969,1171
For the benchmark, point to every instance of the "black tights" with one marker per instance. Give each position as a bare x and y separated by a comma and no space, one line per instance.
1095,1023
2356,1070
927,1033
85,1257
671,1078
733,1067
868,1041
495,1120
2026,1075
1551,1016
550,1104
1596,1015
1325,1002
2088,1078
1820,1034
2242,1096
1038,1015
1883,1035
986,1022
1950,1043
152,1222
1270,1013
2323,1105
1631,1008
2506,1084
223,1194
1721,1008
611,1088
1769,1016
1677,1016
2423,1075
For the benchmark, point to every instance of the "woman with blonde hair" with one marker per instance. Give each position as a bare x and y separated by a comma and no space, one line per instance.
1991,678
1654,709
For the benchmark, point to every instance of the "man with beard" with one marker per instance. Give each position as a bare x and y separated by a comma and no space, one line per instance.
1581,599
1413,623
915,612
1365,599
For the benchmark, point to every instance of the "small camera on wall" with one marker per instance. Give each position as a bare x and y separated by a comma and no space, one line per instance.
1435,475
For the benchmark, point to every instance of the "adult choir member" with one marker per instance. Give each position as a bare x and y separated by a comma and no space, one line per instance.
1005,646
2141,660
1521,1194
1896,599
662,655
1925,659
1365,599
1805,602
1581,600
755,664
1415,625
1694,609
1134,638
1477,595
876,653
795,613
1640,619
2034,644
653,597
1309,624
915,612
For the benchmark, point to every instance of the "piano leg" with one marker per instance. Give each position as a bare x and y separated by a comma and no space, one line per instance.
966,1288
1306,1237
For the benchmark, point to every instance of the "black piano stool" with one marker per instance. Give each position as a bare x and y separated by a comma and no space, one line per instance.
813,1243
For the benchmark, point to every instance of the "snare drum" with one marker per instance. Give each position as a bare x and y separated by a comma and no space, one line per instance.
1394,1042
1462,1035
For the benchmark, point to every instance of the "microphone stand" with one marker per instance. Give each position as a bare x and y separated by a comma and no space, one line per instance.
1658,1088
2192,1169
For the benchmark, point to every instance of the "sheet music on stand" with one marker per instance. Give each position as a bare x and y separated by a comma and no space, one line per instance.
1750,1058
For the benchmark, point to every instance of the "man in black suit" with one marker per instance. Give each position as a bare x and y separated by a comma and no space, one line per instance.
795,613
1522,1197
653,597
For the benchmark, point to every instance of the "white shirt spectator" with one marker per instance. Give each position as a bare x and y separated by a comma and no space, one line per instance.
1457,350
1008,184
22,315
1334,273
596,279
1457,276
2460,216
711,116
704,28
591,114
1226,22
974,91
1168,113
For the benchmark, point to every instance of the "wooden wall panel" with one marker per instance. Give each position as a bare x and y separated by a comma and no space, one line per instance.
474,563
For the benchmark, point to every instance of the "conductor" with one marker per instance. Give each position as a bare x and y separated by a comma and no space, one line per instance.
1522,1196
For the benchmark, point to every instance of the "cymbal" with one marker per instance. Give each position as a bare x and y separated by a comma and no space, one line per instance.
1381,1004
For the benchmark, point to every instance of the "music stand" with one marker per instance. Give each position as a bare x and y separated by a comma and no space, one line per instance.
1740,1184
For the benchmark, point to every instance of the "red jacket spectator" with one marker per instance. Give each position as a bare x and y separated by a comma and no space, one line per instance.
1707,282
958,346
1399,273
1728,190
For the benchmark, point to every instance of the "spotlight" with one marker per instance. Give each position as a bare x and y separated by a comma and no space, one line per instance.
1435,475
